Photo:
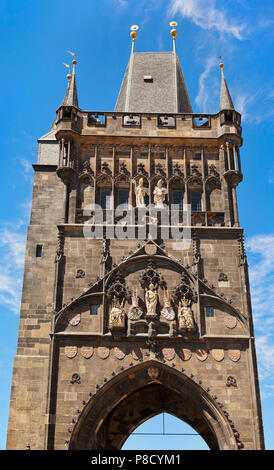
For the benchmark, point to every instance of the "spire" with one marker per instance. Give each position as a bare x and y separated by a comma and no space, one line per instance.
153,82
71,98
225,99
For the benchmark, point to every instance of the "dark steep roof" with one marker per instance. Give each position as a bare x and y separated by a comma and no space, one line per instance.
166,92
225,98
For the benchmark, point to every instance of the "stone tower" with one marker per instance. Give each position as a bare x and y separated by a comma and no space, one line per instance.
136,295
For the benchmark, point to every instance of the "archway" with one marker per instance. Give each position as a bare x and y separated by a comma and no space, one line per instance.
143,391
164,432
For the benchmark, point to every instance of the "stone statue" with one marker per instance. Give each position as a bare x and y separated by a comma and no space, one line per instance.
140,193
159,194
185,316
151,298
117,314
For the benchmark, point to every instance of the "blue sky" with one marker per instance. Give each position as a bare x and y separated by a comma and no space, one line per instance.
35,37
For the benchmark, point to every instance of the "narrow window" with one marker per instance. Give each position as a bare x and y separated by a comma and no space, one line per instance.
105,195
209,312
196,201
123,195
178,199
94,309
197,156
39,249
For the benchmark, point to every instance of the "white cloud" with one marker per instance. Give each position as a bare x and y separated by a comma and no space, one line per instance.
12,255
260,251
207,16
203,95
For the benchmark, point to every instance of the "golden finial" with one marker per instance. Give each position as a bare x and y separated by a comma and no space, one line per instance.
174,31
221,64
133,33
74,56
68,66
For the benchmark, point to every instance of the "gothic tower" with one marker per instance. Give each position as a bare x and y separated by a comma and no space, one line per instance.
136,295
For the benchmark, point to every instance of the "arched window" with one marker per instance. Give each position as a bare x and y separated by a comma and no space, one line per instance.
196,201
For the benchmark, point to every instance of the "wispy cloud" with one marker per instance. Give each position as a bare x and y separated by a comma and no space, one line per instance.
260,250
12,256
202,99
208,16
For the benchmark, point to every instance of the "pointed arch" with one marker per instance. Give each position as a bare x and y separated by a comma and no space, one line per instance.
143,391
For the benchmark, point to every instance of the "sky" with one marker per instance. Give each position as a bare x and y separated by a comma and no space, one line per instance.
35,37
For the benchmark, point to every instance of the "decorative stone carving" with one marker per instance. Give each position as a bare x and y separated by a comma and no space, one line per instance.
86,351
119,353
167,311
159,194
75,379
140,193
117,314
230,322
134,312
117,288
74,319
80,274
185,316
218,354
70,351
103,352
153,372
150,249
222,277
136,353
60,247
151,298
186,354
150,275
231,381
234,355
168,353
201,354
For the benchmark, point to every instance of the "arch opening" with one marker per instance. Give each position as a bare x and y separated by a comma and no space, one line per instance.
140,393
164,432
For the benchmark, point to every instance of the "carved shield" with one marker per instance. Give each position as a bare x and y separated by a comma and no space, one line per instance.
70,351
87,351
186,354
150,249
134,313
168,313
153,372
230,322
74,320
103,352
119,353
218,354
234,355
168,353
136,353
201,354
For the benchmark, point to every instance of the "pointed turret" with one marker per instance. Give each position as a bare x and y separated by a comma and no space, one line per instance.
71,97
225,99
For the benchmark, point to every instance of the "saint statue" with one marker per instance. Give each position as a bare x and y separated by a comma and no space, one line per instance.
140,193
117,314
185,315
151,298
159,194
